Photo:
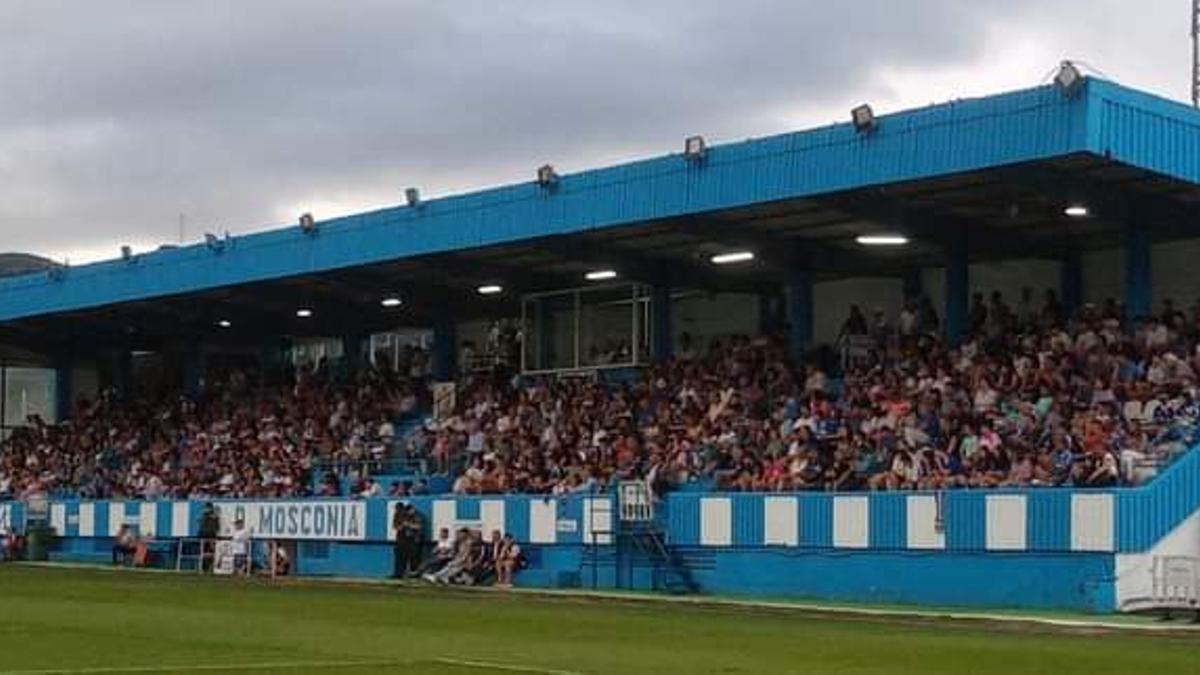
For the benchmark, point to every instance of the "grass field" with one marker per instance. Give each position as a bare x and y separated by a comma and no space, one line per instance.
84,621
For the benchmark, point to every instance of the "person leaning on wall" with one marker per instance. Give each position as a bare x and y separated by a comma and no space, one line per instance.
210,529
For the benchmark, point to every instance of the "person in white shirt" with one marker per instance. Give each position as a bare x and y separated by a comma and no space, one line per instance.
241,547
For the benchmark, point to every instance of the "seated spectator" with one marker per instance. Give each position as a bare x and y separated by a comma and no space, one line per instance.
440,555
508,561
124,546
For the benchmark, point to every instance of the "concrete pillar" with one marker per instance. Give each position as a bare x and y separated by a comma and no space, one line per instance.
958,290
800,311
1138,281
662,344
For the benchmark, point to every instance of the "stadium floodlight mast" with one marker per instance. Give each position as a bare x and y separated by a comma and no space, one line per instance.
1069,79
695,149
732,258
864,119
600,275
889,239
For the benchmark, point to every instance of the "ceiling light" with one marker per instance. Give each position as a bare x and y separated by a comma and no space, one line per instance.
1076,211
732,257
490,289
224,323
304,313
391,302
882,239
601,275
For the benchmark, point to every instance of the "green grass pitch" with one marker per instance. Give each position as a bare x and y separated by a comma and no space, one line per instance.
73,621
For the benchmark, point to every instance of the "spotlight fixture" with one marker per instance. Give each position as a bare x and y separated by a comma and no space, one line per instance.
304,313
695,149
1068,79
881,239
546,176
213,242
490,289
307,224
1076,211
732,257
600,275
126,253
864,119
412,196
224,323
391,302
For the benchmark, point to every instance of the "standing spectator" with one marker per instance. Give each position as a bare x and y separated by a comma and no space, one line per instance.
241,547
507,561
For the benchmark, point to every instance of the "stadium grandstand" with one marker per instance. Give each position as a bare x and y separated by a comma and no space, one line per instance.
946,356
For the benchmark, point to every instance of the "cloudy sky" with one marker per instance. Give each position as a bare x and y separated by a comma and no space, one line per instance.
118,116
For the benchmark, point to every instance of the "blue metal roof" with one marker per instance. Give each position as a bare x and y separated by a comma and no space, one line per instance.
1105,119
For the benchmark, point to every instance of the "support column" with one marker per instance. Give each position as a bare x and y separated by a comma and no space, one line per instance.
62,387
958,290
1138,281
800,312
662,345
444,347
1071,283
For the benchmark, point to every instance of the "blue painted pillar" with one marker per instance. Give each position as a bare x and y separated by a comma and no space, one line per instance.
193,371
958,290
1071,283
444,351
62,387
662,345
1138,283
800,311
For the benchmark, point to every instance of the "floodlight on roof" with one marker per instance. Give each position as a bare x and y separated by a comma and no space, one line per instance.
412,196
864,119
1069,79
732,258
881,239
546,176
308,225
695,149
213,242
126,253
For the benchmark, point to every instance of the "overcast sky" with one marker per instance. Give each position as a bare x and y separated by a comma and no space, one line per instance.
118,116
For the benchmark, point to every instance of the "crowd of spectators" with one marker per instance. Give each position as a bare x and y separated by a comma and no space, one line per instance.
238,440
1029,397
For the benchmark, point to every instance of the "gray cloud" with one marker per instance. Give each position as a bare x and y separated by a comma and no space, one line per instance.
118,115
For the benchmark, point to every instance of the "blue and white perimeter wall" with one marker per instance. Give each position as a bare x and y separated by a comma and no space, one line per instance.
1088,550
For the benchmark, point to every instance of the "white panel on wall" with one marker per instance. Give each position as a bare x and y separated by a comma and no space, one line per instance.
597,522
1092,522
58,519
391,516
116,517
148,519
922,522
781,521
445,514
87,519
1005,522
716,521
181,521
543,521
491,517
851,522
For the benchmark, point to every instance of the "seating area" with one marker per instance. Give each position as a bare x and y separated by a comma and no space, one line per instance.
1032,398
